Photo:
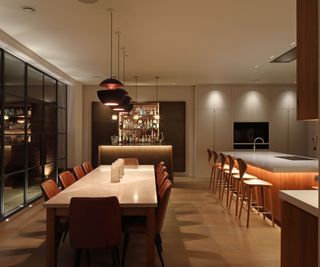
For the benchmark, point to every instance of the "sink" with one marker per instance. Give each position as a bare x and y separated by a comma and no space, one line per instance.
293,158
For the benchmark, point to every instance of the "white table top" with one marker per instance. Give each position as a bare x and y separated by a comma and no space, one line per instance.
267,160
306,200
137,187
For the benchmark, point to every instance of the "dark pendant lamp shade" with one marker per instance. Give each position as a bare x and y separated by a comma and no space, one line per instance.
123,105
111,84
112,97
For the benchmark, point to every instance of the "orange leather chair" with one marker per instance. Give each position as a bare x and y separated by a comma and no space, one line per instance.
138,224
95,223
78,171
49,189
87,167
66,178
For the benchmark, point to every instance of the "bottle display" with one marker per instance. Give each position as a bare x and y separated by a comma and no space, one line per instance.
15,121
141,125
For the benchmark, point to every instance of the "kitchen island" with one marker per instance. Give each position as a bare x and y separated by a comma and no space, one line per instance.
284,171
146,154
299,229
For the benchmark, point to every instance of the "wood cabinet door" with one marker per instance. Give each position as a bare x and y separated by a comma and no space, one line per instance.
173,125
307,59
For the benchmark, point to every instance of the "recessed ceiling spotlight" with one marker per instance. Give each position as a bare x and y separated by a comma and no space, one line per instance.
173,83
271,57
88,1
28,9
293,44
256,66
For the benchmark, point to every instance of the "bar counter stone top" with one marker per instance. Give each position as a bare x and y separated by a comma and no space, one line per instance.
270,161
306,200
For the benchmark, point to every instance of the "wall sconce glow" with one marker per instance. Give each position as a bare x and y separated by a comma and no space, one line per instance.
114,117
48,170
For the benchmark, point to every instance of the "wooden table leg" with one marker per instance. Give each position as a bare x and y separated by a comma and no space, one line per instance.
51,240
150,236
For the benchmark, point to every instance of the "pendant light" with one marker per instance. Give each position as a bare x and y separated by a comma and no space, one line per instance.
125,105
157,116
113,94
136,116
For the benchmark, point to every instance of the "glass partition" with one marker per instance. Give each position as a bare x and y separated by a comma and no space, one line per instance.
33,132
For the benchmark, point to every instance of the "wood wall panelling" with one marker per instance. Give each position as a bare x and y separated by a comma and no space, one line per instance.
307,59
173,125
299,237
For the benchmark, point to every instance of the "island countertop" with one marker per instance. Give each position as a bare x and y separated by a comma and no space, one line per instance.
270,161
306,200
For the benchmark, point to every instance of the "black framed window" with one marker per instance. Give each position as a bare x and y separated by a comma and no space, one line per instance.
33,131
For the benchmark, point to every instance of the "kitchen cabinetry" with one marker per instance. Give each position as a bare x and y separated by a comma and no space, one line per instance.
307,59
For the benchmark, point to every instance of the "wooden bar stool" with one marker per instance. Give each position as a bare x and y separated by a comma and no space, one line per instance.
221,166
237,183
261,186
213,161
228,173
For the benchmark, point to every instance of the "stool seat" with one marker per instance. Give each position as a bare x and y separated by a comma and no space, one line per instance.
256,182
245,176
315,187
233,171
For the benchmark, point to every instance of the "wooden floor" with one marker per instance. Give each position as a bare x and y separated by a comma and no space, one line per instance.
198,232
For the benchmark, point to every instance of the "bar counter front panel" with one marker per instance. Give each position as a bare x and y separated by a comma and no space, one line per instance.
146,154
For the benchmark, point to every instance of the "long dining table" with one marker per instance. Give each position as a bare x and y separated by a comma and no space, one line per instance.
136,192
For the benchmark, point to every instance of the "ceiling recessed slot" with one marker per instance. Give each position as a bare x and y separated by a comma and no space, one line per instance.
286,57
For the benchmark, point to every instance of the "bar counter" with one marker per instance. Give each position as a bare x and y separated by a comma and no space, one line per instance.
284,174
146,154
299,229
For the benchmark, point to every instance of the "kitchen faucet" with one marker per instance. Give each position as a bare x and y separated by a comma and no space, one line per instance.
254,143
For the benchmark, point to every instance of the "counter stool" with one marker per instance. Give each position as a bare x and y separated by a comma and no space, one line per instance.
221,167
237,183
228,176
213,161
261,186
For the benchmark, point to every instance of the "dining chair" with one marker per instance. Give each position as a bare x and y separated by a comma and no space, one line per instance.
95,223
78,171
66,179
138,224
161,178
131,161
158,166
87,167
49,189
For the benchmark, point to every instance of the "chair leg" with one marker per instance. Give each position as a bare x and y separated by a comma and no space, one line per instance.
115,257
88,257
125,246
159,241
159,253
242,200
211,177
238,196
271,208
231,191
249,205
77,257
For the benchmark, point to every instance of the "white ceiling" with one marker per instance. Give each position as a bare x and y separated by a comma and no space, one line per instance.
182,41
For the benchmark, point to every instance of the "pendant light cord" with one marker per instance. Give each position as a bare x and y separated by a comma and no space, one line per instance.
111,20
118,33
124,65
136,78
157,79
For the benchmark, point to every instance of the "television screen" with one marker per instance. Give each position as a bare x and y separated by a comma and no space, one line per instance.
246,132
